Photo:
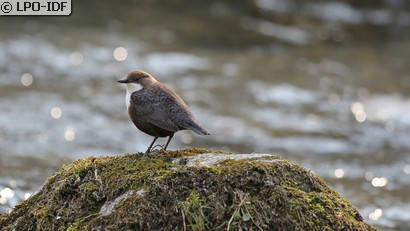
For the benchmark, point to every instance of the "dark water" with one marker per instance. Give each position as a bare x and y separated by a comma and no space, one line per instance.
324,84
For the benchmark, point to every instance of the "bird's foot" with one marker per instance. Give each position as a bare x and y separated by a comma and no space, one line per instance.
153,153
156,150
162,148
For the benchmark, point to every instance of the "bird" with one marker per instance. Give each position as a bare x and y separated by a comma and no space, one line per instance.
157,110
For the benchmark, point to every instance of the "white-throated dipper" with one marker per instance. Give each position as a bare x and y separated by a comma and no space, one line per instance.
157,110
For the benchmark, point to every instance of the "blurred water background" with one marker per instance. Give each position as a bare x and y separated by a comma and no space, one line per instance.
323,83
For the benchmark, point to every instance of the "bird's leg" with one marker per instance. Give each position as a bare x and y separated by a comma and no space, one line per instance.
150,146
169,140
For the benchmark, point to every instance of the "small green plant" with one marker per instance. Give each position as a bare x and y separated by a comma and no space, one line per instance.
192,211
241,213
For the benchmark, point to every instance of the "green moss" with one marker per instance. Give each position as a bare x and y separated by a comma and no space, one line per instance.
193,212
78,166
193,151
150,192
73,226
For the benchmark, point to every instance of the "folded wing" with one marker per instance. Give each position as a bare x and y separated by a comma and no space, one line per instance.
148,108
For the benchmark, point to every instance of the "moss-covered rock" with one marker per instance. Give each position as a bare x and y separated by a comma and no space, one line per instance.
193,189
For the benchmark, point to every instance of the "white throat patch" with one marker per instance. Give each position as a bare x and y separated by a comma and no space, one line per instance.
131,88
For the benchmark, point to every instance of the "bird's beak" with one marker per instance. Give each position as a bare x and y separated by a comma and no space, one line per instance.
123,81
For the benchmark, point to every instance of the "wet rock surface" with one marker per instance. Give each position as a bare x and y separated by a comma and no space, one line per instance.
192,189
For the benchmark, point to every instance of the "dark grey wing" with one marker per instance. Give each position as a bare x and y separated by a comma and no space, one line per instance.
179,112
149,108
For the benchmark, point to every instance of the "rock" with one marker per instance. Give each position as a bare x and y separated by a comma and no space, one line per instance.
193,189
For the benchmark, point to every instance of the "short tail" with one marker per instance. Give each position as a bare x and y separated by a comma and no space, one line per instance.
199,130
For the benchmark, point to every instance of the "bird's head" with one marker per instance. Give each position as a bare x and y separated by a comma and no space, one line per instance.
138,77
